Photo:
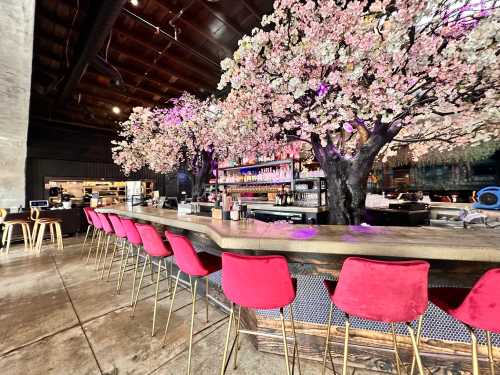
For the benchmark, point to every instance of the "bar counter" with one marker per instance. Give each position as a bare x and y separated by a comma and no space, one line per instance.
479,245
458,257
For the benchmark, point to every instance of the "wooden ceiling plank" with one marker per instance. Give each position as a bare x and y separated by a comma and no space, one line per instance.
251,8
220,16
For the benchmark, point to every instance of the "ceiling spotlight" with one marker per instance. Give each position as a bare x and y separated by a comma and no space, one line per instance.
134,2
116,110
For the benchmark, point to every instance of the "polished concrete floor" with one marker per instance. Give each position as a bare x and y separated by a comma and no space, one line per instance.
56,317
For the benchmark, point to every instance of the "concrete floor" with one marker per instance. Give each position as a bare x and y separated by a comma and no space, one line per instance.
56,317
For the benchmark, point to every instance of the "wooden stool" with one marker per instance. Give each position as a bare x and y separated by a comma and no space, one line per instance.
55,233
8,229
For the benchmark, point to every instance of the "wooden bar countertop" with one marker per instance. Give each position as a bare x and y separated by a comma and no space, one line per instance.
458,244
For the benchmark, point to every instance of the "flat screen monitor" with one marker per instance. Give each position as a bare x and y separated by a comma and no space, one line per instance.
39,203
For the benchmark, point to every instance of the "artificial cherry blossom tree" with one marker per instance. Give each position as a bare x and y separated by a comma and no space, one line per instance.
358,79
179,136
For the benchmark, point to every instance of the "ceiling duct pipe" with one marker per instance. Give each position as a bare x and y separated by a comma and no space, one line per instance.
94,34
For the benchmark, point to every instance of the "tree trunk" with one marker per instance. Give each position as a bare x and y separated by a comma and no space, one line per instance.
201,173
347,177
346,191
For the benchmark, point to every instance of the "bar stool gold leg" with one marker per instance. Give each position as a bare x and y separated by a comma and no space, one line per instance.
419,334
226,345
106,257
99,236
51,229
34,233
41,233
122,243
9,238
32,239
396,351
490,353
193,310
206,298
237,339
85,240
285,342
346,344
95,234
25,237
296,345
59,229
60,245
158,271
4,236
411,331
327,341
121,273
475,361
171,307
135,268
104,251
139,287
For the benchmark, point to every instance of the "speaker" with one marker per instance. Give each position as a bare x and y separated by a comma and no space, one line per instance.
489,198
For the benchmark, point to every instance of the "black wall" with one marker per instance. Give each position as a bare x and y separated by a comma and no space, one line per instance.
62,150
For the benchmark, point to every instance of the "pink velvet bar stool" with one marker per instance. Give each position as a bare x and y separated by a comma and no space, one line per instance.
90,228
108,234
120,242
258,282
384,291
98,232
135,243
153,247
195,265
477,307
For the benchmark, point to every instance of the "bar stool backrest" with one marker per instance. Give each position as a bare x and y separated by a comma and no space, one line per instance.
259,282
152,241
185,255
481,307
386,291
96,222
106,225
34,213
86,211
117,226
132,234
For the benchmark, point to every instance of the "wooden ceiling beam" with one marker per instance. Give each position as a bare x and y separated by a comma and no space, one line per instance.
125,98
183,20
210,78
131,90
188,82
193,51
92,37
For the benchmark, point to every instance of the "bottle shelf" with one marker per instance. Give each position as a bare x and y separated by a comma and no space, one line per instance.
259,165
256,183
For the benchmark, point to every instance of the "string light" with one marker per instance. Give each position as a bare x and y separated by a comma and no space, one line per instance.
134,2
116,110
